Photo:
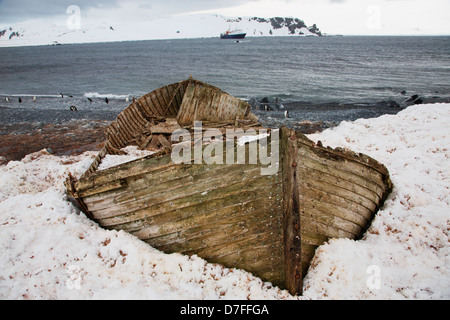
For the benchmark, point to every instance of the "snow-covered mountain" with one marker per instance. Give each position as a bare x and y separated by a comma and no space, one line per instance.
190,26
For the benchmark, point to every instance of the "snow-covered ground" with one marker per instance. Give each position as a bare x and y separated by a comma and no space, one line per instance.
51,251
38,32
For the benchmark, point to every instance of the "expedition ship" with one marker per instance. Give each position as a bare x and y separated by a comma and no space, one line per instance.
235,34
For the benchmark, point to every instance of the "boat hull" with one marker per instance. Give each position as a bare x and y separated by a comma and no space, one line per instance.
233,36
232,214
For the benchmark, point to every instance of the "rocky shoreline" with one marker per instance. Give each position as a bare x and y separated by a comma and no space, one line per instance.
64,138
64,132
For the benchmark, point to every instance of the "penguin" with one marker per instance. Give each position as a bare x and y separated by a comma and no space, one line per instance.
73,108
106,100
20,100
62,96
126,99
286,114
7,99
90,100
34,99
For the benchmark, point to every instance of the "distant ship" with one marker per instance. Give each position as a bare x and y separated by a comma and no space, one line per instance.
236,34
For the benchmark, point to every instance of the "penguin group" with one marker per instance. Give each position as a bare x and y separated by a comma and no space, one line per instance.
72,107
20,100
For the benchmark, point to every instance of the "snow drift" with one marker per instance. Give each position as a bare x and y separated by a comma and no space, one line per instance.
51,251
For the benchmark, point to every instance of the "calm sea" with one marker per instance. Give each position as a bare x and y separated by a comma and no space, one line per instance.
311,70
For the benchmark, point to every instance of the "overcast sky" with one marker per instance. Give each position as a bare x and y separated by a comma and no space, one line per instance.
364,17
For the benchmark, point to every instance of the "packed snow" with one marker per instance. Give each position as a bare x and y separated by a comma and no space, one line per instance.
131,153
52,251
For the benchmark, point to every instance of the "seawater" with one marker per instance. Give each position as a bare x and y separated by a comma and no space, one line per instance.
312,70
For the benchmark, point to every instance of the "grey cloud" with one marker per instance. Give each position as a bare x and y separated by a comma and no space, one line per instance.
19,10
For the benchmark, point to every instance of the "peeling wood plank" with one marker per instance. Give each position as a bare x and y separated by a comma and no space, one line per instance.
291,214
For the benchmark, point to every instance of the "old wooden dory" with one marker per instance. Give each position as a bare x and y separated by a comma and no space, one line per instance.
229,214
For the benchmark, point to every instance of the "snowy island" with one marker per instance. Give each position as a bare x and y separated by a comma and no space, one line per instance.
183,27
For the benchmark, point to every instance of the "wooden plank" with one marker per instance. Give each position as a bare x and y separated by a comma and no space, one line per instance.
111,136
314,212
179,98
151,104
240,232
291,214
341,169
171,106
101,189
112,131
183,199
138,115
119,134
312,176
143,110
308,252
348,210
159,96
340,154
124,129
185,115
191,177
156,104
168,126
167,180
154,162
347,195
207,103
227,228
313,238
164,98
182,209
311,224
338,173
144,102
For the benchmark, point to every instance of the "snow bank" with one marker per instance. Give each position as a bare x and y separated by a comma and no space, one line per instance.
405,253
51,251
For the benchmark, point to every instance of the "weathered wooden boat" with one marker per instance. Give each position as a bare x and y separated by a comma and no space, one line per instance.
229,214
